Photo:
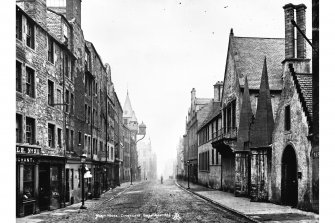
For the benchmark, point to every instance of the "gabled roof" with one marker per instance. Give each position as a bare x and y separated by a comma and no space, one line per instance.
214,111
261,132
202,101
248,54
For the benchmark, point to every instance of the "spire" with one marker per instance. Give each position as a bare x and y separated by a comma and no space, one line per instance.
261,134
127,109
246,117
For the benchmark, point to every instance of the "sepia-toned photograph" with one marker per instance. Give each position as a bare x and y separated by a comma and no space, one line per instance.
166,111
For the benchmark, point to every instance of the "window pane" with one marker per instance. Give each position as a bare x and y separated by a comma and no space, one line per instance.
18,77
28,182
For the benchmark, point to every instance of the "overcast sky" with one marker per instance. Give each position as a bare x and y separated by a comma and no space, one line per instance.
160,49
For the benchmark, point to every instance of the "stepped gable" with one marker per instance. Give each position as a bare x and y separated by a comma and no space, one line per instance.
305,83
261,132
246,116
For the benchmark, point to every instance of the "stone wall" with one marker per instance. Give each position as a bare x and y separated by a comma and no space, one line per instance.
297,138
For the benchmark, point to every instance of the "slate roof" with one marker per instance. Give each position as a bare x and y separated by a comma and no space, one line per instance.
202,101
215,110
305,83
249,53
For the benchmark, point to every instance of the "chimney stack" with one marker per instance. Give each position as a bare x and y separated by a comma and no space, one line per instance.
289,31
301,22
37,9
218,91
73,10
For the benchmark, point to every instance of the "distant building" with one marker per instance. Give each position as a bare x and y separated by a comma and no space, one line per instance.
196,115
147,160
130,121
209,159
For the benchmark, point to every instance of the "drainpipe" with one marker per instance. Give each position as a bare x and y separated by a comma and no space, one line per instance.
64,137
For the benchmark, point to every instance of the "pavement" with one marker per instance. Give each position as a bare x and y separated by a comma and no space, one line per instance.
256,211
75,208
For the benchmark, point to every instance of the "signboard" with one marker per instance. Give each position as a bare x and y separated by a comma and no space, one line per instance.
25,159
28,150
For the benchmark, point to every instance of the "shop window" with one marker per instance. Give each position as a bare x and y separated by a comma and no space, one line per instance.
18,76
18,25
30,37
55,187
50,93
59,140
51,135
30,82
28,182
30,130
18,128
287,118
50,50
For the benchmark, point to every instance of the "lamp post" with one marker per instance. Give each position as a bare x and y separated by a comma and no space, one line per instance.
188,174
82,160
141,131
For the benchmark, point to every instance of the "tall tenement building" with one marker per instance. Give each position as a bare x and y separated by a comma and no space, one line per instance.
66,106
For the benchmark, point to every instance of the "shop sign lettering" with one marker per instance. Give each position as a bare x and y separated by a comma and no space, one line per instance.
27,150
25,159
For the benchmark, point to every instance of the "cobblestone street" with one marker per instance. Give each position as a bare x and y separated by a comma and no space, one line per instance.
143,202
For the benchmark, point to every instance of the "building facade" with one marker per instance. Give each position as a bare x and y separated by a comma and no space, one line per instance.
209,159
66,106
196,115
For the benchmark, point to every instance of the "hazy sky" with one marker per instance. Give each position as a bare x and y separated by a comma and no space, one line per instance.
161,49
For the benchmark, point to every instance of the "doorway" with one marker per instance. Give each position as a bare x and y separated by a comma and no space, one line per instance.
44,187
289,182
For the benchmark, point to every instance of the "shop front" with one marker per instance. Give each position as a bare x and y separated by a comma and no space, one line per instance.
27,180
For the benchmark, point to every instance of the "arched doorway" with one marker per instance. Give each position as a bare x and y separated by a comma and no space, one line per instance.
289,182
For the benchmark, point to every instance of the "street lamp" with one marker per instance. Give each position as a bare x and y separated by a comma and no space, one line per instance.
188,174
82,160
141,131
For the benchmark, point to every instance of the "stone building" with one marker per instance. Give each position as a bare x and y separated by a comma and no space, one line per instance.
130,121
126,154
44,80
66,106
291,172
118,139
196,115
209,159
244,59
